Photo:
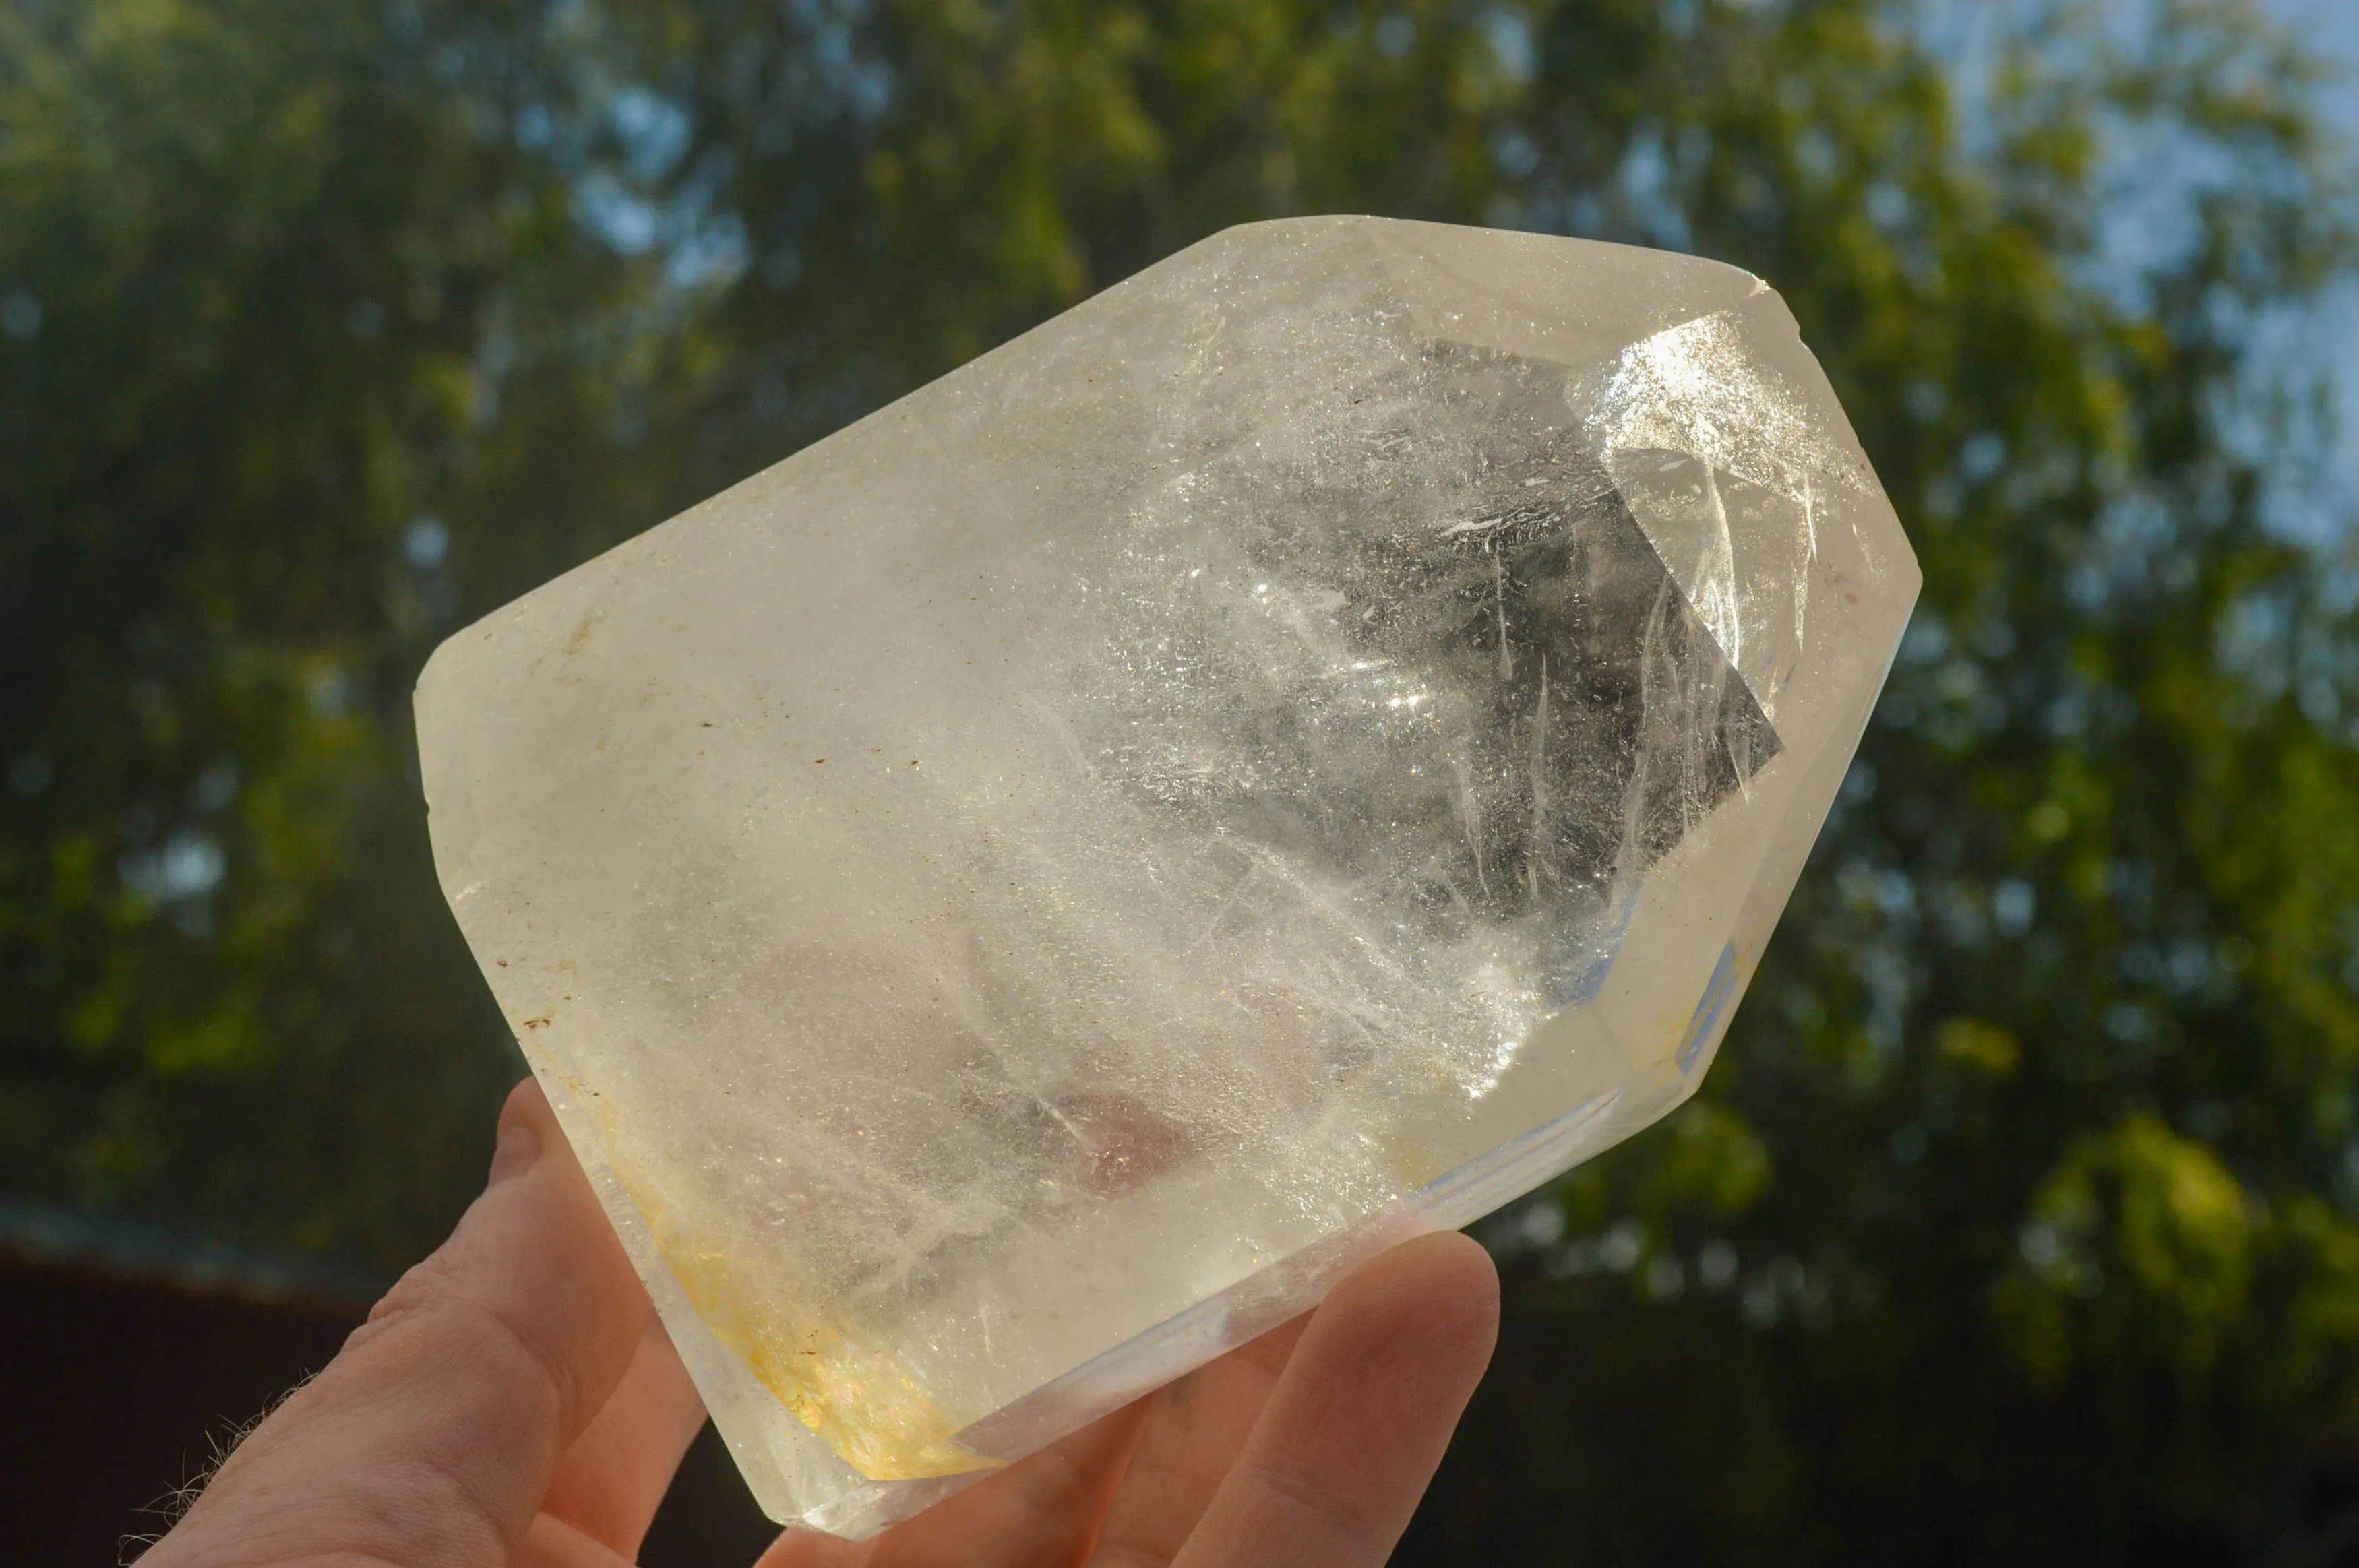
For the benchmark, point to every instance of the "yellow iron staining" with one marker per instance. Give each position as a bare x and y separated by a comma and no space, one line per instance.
859,1397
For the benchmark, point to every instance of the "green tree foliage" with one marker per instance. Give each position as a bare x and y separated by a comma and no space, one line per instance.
2020,1217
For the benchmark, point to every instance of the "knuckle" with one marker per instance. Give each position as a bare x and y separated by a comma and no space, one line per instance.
1327,1513
462,1326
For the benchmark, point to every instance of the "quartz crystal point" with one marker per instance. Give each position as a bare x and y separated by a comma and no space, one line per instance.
1013,900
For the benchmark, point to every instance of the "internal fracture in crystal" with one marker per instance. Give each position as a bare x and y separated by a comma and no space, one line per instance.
1013,900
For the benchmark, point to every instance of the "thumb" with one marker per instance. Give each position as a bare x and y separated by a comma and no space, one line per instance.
432,1438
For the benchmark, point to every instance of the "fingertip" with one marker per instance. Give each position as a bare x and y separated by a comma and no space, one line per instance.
1362,1413
1448,1261
528,1103
527,1125
517,1152
1437,1290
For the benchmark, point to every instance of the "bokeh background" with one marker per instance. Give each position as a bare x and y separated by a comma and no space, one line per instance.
2019,1219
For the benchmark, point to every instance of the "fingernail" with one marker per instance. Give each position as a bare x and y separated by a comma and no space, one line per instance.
519,1148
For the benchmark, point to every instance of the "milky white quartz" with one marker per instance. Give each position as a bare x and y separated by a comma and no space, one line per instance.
1303,747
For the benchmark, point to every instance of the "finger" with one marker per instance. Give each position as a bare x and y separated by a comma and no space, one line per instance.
1192,1438
610,1482
551,1542
1039,1511
433,1436
1359,1418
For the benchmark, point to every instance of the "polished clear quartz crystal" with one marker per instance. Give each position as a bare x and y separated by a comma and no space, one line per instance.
1013,900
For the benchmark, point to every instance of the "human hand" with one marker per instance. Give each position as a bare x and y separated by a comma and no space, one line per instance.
514,1401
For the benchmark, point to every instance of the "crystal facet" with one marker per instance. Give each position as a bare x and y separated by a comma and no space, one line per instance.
1013,900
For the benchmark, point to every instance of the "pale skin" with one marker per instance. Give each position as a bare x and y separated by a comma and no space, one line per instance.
514,1401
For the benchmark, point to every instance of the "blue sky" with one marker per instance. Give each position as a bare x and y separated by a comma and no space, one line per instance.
2334,26
2311,503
